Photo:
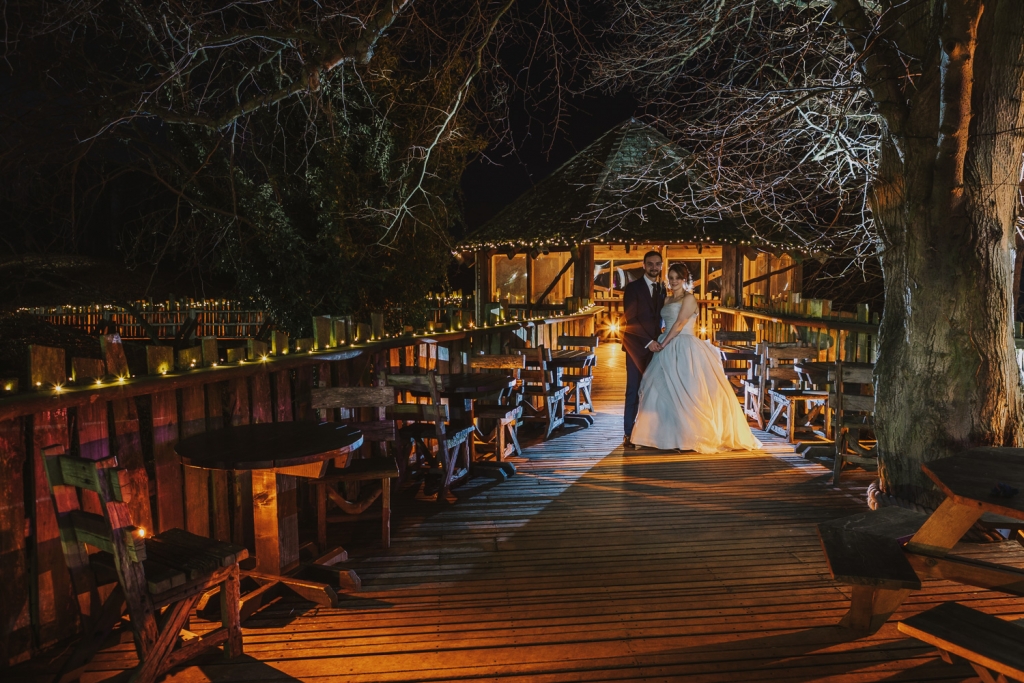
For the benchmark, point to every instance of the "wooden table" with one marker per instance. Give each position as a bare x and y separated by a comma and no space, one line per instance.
276,453
967,480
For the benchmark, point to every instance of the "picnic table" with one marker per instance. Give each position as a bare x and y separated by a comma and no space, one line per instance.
884,554
274,454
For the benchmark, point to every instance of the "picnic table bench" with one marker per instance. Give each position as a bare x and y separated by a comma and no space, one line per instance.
884,555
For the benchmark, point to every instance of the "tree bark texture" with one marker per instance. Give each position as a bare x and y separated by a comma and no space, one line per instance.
944,200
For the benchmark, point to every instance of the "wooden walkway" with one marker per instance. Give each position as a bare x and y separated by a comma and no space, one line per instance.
597,565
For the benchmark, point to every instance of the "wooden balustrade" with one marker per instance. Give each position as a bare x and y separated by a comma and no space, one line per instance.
847,339
140,418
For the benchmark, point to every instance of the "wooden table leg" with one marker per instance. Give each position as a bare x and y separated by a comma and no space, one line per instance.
276,526
870,607
275,521
943,529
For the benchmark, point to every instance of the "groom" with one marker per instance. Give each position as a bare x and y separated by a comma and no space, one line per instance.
641,302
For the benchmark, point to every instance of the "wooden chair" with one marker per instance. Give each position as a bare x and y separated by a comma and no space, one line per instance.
993,647
579,380
381,467
507,410
852,402
159,578
755,386
738,354
784,392
541,383
430,422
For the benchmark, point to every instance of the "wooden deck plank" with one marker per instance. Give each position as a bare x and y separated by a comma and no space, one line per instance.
594,564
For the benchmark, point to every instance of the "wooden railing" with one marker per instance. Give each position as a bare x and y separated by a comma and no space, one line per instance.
852,340
139,415
221,319
610,320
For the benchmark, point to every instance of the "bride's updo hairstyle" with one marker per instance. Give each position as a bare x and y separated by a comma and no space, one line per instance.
683,273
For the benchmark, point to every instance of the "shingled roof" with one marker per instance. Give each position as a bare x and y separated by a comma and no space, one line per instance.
598,197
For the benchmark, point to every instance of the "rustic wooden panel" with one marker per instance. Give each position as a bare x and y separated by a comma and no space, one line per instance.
55,610
208,351
113,355
159,359
45,366
282,383
278,343
238,401
128,449
262,401
170,513
16,627
256,350
214,406
322,332
189,358
127,440
240,494
303,386
85,370
197,481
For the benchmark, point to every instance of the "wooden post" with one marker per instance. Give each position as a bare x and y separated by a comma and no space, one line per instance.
166,464
482,293
732,276
529,280
583,275
197,480
127,439
16,637
54,609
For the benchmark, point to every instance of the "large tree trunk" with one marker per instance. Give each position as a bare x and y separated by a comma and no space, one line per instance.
944,201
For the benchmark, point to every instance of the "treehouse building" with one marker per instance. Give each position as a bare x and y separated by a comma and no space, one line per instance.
580,236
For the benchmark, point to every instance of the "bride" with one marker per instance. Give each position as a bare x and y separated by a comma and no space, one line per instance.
686,402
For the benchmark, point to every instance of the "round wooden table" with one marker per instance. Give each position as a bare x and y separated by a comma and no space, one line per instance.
275,453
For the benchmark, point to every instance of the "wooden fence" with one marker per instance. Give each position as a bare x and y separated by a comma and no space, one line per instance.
140,417
214,318
610,319
846,338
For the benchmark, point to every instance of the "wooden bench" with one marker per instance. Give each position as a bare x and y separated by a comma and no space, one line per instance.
381,468
865,551
992,646
160,578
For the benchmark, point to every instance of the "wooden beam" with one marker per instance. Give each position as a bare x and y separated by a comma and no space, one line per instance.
769,274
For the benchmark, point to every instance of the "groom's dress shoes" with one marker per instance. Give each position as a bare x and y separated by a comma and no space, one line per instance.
626,443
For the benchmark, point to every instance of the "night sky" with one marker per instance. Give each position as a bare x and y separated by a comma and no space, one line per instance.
500,176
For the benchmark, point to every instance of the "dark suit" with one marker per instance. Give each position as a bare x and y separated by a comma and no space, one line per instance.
642,325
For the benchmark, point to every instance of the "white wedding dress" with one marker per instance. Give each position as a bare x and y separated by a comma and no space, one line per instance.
686,402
